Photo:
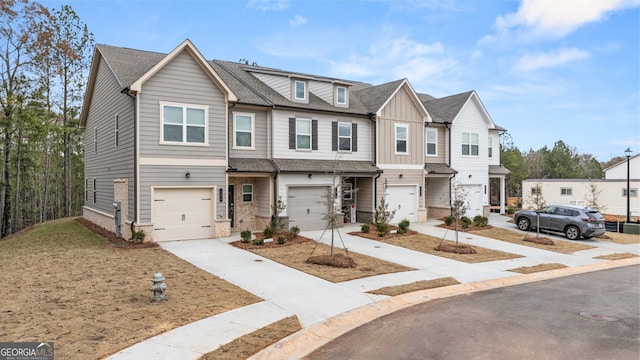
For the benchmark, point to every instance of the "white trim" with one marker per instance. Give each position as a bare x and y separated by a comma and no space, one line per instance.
243,193
470,144
337,96
350,125
179,161
395,137
310,134
294,91
426,130
184,124
415,99
253,122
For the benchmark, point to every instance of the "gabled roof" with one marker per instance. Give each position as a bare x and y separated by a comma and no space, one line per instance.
132,68
375,98
444,110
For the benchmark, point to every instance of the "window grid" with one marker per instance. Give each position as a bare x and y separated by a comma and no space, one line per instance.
470,145
184,124
535,191
566,191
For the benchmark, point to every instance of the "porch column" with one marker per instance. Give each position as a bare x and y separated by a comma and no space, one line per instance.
503,199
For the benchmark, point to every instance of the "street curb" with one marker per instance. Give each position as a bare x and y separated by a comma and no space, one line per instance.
305,341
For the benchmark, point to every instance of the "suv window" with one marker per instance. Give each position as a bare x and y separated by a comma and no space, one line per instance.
595,215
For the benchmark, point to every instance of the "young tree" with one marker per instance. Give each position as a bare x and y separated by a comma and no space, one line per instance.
593,197
459,205
536,198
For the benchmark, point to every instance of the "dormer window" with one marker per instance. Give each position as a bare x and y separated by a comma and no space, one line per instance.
341,95
299,90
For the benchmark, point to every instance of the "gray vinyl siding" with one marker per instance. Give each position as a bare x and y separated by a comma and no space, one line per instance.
182,81
110,162
264,196
281,84
323,90
260,135
174,176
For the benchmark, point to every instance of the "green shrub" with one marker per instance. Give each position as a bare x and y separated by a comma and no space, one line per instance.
281,240
448,220
258,242
138,236
245,235
383,228
480,221
268,232
465,221
511,210
295,230
404,226
365,228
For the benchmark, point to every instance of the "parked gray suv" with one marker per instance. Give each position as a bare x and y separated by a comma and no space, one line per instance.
574,222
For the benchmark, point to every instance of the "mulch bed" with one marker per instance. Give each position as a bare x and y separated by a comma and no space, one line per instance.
469,228
373,233
290,239
118,242
459,249
337,260
541,240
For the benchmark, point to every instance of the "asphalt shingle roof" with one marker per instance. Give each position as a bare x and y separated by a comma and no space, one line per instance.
251,165
343,167
439,168
445,109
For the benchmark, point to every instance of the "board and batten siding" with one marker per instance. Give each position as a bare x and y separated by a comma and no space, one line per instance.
472,170
324,152
110,162
182,81
174,176
260,134
401,110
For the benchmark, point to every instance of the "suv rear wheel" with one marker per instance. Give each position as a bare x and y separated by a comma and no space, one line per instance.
524,224
572,232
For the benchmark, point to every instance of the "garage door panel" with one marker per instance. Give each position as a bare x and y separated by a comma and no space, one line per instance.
403,200
306,207
182,213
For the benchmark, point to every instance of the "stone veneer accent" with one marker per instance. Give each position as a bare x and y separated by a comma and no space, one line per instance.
438,213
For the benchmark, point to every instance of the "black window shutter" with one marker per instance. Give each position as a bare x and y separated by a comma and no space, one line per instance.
292,133
314,134
334,136
354,137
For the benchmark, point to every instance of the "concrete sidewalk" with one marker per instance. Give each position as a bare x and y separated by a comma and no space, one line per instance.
318,303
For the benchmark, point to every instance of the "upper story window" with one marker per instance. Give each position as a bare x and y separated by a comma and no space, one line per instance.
243,125
116,130
303,134
344,136
431,146
566,191
490,147
299,90
95,140
341,95
470,144
183,124
402,139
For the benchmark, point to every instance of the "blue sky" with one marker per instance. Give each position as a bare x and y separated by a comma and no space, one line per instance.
546,70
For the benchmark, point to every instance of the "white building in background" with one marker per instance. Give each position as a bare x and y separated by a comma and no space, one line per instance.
612,189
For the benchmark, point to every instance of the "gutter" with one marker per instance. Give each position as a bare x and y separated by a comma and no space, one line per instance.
127,91
446,125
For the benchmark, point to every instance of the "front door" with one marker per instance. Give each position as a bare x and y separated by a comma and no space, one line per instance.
231,205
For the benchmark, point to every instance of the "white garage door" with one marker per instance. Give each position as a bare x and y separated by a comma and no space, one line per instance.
181,214
474,197
404,200
306,207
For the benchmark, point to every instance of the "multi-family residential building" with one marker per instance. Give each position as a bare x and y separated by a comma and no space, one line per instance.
195,148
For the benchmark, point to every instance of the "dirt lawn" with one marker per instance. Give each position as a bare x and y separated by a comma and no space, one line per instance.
561,246
63,283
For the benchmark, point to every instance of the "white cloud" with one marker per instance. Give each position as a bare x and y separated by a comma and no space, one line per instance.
550,59
267,5
559,18
297,21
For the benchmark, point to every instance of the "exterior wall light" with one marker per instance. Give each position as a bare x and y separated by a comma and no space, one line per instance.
187,175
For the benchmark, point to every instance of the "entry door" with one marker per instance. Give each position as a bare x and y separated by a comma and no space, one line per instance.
231,205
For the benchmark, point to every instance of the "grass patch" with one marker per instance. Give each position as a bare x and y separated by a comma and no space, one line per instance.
561,246
538,268
427,244
415,286
616,256
620,238
295,256
63,283
245,346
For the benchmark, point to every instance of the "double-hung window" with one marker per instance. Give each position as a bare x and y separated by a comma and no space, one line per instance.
303,134
116,130
184,124
490,147
86,190
470,144
243,125
536,191
95,191
566,191
632,192
431,146
247,193
344,136
341,95
402,139
95,140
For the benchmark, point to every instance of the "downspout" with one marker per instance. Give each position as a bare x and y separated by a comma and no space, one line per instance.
126,91
372,117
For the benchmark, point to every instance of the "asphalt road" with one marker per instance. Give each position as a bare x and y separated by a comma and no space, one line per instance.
588,316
